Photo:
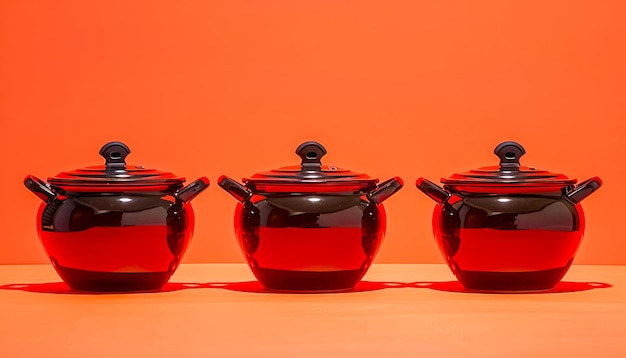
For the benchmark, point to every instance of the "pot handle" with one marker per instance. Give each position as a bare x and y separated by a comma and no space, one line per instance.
234,188
192,189
432,190
39,188
385,189
583,190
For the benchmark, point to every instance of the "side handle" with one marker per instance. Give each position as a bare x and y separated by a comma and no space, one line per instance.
583,190
234,188
192,189
385,189
432,190
39,188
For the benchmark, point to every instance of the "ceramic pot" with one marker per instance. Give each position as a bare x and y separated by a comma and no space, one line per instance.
310,227
115,227
508,227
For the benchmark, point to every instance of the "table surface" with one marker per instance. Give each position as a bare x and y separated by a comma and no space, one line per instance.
219,310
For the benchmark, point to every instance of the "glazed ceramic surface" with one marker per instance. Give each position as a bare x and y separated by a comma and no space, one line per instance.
115,227
509,228
310,227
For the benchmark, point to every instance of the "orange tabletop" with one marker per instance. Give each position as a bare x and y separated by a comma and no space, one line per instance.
219,310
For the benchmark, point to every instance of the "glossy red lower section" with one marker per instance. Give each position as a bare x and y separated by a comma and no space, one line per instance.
515,250
310,259
132,258
310,249
128,249
510,260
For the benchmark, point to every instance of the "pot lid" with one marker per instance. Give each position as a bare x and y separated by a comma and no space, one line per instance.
509,171
115,171
311,171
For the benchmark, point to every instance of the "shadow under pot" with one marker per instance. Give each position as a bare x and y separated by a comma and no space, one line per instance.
115,227
310,227
508,227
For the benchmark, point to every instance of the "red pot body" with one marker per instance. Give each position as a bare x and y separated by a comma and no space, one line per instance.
116,241
115,227
309,241
508,241
509,227
310,227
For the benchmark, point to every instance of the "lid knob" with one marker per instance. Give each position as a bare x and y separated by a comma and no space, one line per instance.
114,154
311,154
509,154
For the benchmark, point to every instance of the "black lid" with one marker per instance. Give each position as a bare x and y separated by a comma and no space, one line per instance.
509,171
311,171
115,171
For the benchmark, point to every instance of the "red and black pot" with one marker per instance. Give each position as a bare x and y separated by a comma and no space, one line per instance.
115,227
310,227
508,227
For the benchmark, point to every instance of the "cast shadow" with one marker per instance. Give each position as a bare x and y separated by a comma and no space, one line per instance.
62,288
561,287
256,287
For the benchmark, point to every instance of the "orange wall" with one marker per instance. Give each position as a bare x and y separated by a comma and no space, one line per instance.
408,88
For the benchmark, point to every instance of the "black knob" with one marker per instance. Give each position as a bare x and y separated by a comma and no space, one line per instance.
114,154
311,154
509,154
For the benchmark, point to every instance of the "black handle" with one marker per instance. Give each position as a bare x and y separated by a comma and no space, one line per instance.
192,189
432,190
509,154
583,190
39,188
311,154
386,189
238,191
115,154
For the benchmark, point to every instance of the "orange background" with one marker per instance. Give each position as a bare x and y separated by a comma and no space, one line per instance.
390,88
